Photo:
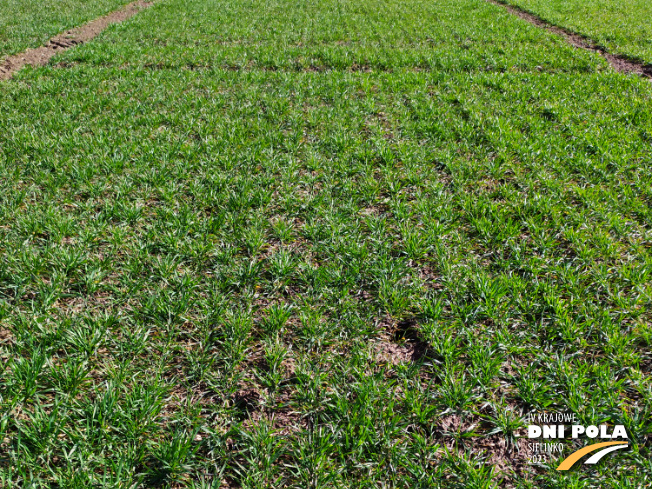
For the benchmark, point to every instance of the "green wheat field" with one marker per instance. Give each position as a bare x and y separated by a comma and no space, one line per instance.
323,244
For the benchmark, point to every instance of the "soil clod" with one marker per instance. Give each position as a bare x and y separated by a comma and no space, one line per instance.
247,401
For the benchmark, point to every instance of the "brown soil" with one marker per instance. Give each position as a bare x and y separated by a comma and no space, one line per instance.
505,457
5,335
394,354
399,342
78,35
247,400
619,63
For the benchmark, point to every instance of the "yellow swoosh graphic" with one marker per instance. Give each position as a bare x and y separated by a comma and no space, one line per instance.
575,456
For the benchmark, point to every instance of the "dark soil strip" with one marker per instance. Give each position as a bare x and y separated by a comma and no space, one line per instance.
78,35
619,63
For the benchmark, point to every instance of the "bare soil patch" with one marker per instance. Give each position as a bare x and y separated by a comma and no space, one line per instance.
505,457
66,40
619,63
399,342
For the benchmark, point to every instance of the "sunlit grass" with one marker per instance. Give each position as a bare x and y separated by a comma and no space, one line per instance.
622,27
30,23
334,245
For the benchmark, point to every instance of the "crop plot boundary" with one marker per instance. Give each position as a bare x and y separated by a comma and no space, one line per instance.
619,63
68,39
